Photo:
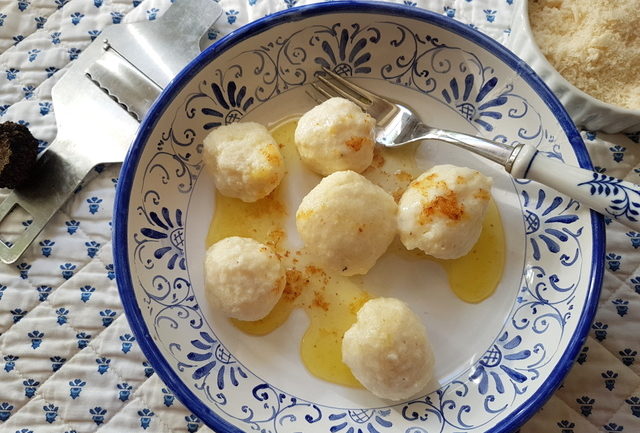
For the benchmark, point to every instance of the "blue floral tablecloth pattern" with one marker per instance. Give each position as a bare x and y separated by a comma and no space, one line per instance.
68,359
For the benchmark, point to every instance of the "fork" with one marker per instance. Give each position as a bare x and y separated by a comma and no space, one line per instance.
397,125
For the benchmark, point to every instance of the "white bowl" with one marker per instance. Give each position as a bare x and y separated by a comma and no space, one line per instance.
586,111
497,361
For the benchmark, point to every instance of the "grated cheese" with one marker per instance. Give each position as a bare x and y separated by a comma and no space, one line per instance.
594,44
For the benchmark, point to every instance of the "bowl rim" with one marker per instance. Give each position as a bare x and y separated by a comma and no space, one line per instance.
561,83
123,193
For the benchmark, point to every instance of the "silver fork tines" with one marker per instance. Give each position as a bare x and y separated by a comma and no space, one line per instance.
397,125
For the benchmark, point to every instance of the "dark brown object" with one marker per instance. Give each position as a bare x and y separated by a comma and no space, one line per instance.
18,151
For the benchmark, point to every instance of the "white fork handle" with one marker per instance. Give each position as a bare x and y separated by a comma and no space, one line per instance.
614,198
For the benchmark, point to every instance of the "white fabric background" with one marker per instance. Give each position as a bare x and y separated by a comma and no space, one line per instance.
68,359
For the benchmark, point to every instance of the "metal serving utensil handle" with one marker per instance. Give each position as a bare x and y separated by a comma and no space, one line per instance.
55,180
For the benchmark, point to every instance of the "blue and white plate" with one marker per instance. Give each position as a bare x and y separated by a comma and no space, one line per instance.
496,362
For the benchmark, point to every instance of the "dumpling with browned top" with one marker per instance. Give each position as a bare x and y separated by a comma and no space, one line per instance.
441,212
335,135
346,223
244,160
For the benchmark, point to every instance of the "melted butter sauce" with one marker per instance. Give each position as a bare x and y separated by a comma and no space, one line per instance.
332,301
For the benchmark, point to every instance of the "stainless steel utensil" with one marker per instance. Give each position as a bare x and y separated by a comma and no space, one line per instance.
397,125
130,64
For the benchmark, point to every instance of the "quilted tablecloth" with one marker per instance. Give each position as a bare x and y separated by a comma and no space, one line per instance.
69,361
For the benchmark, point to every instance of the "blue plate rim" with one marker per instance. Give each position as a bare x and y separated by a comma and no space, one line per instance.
127,173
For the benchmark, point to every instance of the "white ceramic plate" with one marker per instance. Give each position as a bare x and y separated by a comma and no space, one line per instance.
496,362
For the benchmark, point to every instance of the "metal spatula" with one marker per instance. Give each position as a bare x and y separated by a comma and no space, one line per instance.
99,102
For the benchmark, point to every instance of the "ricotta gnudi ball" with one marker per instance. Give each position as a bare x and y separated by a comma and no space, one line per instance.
346,223
441,212
388,350
244,160
335,135
243,278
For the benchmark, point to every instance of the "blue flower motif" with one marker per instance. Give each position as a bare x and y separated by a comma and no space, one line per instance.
600,330
361,420
10,362
23,5
61,313
92,248
45,107
622,306
83,339
346,54
76,17
97,3
43,292
5,410
490,15
472,105
12,73
73,53
586,404
634,405
628,356
505,349
3,109
148,369
110,271
55,38
75,387
124,391
98,414
617,152
36,338
2,18
18,314
67,270
93,34
145,417
17,39
24,270
94,204
613,427
32,55
193,423
103,364
232,15
60,3
168,397
636,284
449,11
170,235
290,3
116,17
3,288
152,14
86,292
57,362
51,70
609,379
50,413
127,342
107,317
47,247
232,101
613,261
212,353
555,220
72,226
30,386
